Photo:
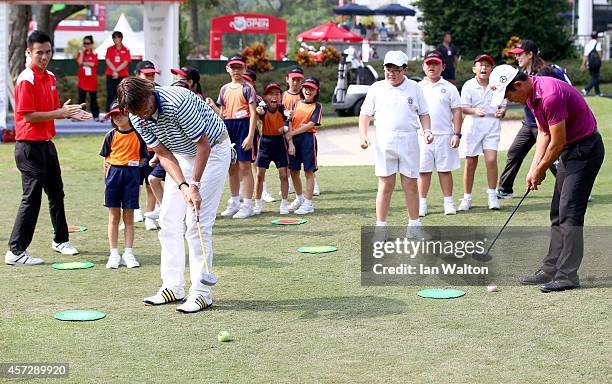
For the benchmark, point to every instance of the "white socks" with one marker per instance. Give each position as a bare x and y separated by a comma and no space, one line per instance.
448,199
381,223
414,223
467,196
128,251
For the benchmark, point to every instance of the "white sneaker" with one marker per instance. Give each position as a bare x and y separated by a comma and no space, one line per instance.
150,224
449,208
114,261
316,191
243,212
493,201
152,215
129,260
231,209
422,208
465,205
380,234
64,248
257,210
138,217
195,302
164,296
304,209
417,232
284,208
24,258
295,204
267,197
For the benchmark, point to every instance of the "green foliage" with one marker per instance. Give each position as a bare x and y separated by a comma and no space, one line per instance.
72,47
185,43
486,25
133,13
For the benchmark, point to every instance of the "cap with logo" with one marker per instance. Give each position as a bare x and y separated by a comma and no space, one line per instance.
250,75
237,59
188,72
485,57
146,67
501,76
525,46
397,58
114,109
433,57
311,82
295,71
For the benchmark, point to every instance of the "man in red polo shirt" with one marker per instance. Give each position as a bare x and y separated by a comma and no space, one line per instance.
37,105
117,59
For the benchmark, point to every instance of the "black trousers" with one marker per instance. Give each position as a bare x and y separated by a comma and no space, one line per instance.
576,173
93,99
111,90
40,170
593,82
523,142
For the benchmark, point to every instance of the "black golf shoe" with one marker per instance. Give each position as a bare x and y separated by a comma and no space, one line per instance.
558,286
540,277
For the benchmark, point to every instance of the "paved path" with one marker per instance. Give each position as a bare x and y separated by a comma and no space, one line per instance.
340,146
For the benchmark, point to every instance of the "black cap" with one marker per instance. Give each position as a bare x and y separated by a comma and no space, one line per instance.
146,67
433,56
237,59
311,82
189,72
250,75
295,71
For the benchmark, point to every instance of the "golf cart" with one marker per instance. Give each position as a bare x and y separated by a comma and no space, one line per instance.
354,80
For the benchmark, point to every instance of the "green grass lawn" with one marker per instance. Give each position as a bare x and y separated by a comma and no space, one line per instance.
295,318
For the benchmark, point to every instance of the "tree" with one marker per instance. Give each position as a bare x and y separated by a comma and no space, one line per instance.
47,21
17,38
484,26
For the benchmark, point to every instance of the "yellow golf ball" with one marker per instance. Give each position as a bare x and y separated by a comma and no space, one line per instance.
224,336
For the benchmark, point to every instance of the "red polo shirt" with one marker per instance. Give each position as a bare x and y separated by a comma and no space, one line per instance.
35,91
88,78
118,56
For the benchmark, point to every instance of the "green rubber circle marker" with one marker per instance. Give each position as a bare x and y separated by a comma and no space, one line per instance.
318,249
440,293
289,221
79,315
84,264
77,228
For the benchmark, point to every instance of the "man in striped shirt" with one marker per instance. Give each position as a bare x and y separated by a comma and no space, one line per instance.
193,146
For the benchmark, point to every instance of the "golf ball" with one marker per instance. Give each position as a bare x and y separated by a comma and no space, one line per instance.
492,288
223,336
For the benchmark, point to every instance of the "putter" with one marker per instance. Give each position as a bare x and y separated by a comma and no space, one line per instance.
486,256
207,277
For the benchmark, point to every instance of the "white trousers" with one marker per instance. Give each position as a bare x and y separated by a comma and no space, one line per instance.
178,222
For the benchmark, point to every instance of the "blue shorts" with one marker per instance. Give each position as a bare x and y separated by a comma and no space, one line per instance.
272,149
305,152
158,172
122,187
238,130
145,169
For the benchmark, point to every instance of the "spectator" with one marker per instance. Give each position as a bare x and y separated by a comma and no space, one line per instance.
87,75
117,59
449,53
591,59
383,33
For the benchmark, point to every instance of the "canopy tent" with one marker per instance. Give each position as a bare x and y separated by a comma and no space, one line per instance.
329,32
351,9
394,10
130,40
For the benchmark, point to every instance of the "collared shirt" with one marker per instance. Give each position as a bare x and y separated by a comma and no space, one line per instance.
88,76
180,120
235,100
118,56
35,91
473,95
395,109
305,112
123,148
291,99
553,101
442,97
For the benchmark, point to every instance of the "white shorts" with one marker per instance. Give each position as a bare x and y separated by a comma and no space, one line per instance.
439,156
397,152
477,138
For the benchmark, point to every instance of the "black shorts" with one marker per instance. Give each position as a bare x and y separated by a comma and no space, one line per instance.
305,152
122,187
272,149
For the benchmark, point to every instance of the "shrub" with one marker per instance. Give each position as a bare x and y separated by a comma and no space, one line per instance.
257,58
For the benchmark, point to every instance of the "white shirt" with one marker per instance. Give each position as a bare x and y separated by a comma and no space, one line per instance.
395,109
473,95
441,97
589,47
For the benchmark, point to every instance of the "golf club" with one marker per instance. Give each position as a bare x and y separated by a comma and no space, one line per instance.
486,256
207,277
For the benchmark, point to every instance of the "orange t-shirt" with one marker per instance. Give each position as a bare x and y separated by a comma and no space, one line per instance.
235,100
272,121
290,99
305,112
124,148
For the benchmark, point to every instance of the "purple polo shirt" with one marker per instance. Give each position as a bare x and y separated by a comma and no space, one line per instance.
553,101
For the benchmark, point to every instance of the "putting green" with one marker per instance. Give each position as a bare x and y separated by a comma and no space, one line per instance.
317,249
77,228
79,315
289,221
73,265
440,293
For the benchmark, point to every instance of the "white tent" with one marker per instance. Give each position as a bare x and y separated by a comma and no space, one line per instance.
131,40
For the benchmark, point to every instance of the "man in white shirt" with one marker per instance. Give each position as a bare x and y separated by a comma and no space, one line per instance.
591,58
397,105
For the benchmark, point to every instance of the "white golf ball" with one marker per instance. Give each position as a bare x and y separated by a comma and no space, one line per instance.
492,288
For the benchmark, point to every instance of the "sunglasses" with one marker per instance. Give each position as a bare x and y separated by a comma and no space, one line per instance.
87,43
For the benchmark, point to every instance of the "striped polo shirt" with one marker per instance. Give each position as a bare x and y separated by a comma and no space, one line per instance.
181,119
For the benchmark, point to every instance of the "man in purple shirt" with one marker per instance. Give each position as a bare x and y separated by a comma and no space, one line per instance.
567,130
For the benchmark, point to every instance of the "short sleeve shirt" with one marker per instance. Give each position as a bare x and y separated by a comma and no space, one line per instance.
305,112
88,76
35,91
117,57
272,121
291,99
441,98
590,45
473,95
553,101
123,148
235,100
395,109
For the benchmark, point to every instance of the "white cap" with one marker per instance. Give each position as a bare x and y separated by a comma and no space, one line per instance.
501,76
398,58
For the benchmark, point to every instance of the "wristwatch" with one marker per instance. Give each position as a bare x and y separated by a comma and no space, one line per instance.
458,134
183,183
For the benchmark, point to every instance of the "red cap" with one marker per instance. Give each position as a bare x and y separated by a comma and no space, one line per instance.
433,56
310,84
516,51
110,113
272,86
146,71
179,71
293,75
485,57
